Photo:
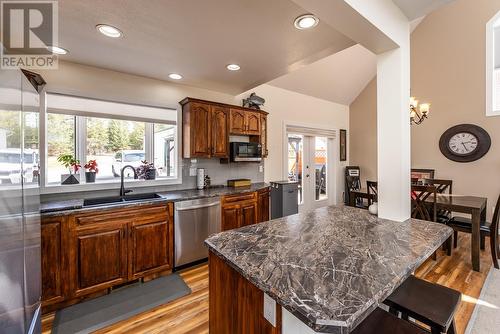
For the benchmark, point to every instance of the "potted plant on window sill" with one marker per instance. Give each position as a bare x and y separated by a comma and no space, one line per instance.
73,165
146,171
91,171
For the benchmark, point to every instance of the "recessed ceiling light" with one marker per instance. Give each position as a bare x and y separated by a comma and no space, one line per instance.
175,76
57,50
233,67
306,21
109,31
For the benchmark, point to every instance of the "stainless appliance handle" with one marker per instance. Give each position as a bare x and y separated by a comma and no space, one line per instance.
236,159
197,206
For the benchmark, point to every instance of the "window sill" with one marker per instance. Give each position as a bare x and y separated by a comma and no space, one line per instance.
59,189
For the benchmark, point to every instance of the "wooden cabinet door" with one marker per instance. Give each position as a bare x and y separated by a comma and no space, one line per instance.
263,135
101,256
252,120
230,217
220,137
237,122
151,242
248,212
53,258
200,130
263,205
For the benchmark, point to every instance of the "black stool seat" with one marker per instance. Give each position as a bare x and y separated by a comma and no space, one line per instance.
380,321
466,224
429,303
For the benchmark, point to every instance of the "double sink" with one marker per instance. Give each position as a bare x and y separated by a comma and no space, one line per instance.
117,199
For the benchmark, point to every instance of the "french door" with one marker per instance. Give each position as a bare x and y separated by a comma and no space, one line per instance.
308,163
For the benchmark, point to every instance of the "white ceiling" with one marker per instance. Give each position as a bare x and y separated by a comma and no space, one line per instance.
338,78
417,8
196,39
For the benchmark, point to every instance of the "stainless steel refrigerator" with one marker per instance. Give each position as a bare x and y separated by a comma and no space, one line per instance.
20,266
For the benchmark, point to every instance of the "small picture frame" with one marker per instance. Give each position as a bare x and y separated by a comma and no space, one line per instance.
343,145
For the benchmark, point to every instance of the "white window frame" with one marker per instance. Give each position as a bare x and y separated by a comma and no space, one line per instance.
80,153
490,66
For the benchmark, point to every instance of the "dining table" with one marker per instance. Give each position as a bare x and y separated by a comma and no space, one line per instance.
474,206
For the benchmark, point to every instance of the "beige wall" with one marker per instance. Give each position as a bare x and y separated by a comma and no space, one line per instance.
363,132
448,70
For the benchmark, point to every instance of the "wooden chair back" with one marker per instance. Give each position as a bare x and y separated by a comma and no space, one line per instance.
423,200
495,220
442,186
372,189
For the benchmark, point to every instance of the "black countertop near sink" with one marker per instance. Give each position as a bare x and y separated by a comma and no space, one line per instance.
55,208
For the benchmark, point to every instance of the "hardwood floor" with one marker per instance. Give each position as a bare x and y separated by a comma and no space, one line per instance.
456,272
190,313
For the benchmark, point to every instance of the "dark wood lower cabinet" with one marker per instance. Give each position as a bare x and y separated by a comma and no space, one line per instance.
86,254
150,246
235,304
53,260
101,258
263,200
245,209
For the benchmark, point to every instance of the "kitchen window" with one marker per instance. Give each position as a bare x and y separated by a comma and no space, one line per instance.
114,135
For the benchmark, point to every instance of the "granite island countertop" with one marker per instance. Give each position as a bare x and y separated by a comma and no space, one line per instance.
74,206
330,267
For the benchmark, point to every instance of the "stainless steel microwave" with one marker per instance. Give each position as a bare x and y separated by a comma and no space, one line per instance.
241,152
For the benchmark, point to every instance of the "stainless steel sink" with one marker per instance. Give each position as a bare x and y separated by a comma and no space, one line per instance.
118,199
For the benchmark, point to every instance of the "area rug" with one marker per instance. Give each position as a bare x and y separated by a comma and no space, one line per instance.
485,318
120,304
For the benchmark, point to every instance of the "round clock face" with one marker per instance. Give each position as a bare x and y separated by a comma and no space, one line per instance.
463,143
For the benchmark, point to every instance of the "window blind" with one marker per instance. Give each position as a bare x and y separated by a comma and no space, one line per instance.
307,131
81,106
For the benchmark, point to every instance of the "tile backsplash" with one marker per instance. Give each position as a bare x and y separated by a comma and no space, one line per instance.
219,174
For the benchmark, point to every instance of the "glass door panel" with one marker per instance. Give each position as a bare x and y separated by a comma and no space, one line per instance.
295,162
320,166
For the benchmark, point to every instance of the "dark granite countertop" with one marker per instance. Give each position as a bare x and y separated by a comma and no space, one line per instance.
330,267
73,206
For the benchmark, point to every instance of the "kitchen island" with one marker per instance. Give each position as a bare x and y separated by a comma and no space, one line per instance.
327,270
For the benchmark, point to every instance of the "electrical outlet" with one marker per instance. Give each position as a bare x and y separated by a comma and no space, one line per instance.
192,171
261,169
270,309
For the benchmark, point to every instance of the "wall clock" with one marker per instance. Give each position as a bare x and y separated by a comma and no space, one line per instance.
465,143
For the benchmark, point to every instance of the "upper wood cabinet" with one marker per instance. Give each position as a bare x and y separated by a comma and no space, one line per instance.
244,122
263,135
208,125
252,120
219,131
237,122
205,130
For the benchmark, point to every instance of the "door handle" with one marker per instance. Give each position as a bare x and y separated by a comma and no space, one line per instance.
197,207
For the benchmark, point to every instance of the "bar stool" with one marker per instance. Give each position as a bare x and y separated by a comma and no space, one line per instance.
432,304
380,321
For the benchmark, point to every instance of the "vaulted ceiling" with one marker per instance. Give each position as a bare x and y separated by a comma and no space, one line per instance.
199,38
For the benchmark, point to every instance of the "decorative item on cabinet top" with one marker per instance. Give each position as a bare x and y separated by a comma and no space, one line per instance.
253,101
207,126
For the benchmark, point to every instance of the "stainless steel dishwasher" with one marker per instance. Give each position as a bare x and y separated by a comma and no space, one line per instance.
194,221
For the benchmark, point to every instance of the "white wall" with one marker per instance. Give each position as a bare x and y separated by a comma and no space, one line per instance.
88,81
287,106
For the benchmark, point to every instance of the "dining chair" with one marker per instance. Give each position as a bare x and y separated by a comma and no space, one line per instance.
421,208
442,187
431,304
424,207
461,224
380,321
372,189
